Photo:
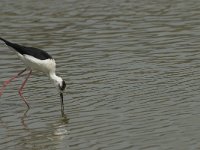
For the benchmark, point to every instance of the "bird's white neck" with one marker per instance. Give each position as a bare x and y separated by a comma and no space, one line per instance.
56,80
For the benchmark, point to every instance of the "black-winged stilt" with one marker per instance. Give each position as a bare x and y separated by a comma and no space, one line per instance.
35,59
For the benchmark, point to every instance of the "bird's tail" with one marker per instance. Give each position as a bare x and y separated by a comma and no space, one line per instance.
3,41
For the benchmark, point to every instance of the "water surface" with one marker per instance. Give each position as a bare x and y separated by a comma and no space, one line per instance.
132,73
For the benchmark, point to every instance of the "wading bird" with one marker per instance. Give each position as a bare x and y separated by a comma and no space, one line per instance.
35,59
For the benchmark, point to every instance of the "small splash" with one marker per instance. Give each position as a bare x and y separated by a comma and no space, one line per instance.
61,131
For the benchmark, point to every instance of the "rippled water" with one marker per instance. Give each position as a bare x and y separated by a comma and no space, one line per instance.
132,73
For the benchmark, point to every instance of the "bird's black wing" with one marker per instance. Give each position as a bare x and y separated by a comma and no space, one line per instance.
35,52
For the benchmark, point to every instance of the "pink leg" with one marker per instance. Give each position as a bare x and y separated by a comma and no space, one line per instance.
8,81
21,89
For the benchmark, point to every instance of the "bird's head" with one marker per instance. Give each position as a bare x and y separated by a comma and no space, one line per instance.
60,85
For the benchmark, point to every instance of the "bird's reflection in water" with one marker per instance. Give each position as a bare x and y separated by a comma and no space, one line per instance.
23,118
63,120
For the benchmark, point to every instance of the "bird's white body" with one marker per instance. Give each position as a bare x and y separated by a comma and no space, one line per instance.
47,66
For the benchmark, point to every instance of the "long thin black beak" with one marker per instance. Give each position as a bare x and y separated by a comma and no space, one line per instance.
62,104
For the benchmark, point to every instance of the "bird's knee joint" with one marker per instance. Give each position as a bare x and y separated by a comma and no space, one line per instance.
20,92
